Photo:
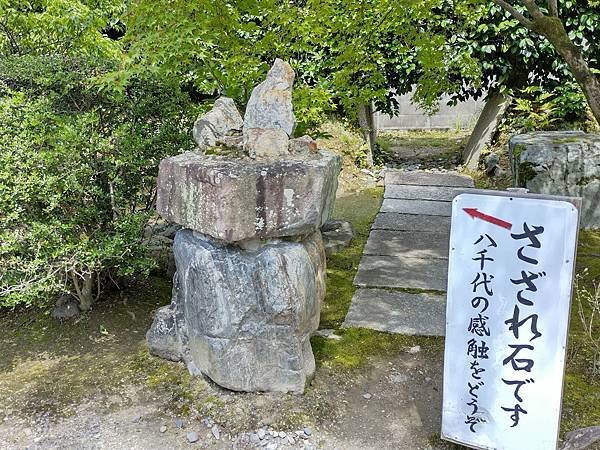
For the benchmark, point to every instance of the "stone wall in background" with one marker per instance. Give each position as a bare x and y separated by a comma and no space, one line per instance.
560,163
464,115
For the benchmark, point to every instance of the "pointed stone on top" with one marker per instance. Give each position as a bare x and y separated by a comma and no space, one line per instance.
270,105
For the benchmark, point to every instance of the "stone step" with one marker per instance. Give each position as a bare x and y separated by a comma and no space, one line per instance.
398,312
412,192
427,178
425,207
401,271
412,244
411,222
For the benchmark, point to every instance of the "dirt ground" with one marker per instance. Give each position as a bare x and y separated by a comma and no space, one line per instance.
402,412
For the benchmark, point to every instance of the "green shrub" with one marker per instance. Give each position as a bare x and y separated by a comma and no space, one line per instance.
77,175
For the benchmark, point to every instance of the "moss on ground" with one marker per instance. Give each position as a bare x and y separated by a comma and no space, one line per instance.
435,148
356,346
48,366
451,140
581,399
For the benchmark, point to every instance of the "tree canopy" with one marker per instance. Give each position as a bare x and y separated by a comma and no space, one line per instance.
93,93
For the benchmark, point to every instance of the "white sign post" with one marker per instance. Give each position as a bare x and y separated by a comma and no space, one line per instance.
509,289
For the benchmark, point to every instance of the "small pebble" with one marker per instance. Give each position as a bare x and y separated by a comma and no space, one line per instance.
291,440
178,423
367,396
216,432
428,379
272,446
415,349
261,433
136,419
307,431
254,438
282,434
192,437
163,429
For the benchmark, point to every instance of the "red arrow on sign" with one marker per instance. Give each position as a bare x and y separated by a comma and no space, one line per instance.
475,213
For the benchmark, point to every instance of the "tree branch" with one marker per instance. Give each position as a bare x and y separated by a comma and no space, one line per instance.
513,12
11,39
553,8
533,9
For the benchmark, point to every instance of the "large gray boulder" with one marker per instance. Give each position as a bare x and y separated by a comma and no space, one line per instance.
270,104
560,163
244,317
221,121
235,200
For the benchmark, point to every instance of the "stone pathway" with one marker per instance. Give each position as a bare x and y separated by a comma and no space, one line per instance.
403,272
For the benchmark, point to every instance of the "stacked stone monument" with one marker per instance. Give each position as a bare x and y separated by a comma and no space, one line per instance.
250,260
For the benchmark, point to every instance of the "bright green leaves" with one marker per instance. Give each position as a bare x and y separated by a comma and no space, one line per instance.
77,172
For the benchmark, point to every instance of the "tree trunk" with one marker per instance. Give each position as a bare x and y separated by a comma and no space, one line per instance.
84,290
367,126
553,30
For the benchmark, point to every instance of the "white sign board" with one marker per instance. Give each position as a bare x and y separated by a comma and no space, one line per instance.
509,289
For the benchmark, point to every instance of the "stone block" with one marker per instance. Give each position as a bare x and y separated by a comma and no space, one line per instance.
266,143
337,235
565,163
244,317
397,312
304,145
222,120
421,178
235,200
270,104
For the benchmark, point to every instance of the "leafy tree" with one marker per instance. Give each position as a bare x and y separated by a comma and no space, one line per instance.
77,162
547,22
78,175
58,27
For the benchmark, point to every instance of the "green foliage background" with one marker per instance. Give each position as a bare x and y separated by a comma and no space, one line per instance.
93,93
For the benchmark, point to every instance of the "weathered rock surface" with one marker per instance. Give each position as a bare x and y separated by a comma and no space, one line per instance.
337,235
165,336
270,104
235,200
266,142
563,163
246,316
492,165
66,307
304,145
581,439
222,120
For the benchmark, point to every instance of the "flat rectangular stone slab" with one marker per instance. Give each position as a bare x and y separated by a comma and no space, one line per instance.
235,200
398,312
402,272
412,192
411,222
425,207
427,178
411,244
